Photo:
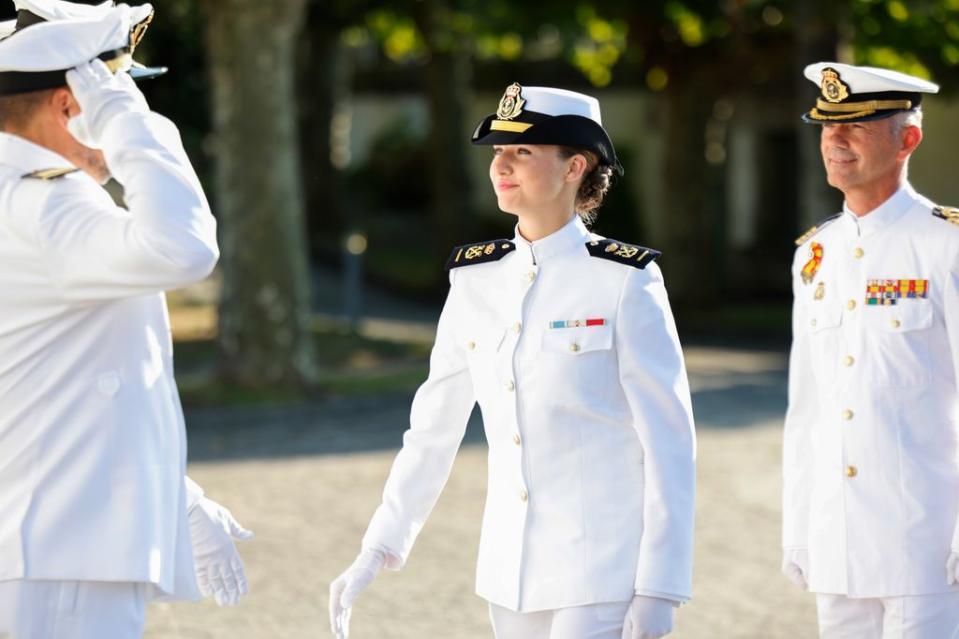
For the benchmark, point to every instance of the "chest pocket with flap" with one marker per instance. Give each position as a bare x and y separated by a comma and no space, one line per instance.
578,341
896,341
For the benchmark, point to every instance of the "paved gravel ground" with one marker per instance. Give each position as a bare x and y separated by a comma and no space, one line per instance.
307,479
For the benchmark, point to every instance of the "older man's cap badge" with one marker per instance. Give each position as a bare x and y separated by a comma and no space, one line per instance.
833,88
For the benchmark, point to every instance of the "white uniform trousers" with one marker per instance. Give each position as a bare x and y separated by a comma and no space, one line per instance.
594,621
72,609
918,617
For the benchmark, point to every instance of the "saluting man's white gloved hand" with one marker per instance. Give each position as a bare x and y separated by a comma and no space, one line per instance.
952,568
219,569
796,566
648,618
346,588
102,95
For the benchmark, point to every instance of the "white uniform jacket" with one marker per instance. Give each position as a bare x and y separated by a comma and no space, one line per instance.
591,441
92,439
871,462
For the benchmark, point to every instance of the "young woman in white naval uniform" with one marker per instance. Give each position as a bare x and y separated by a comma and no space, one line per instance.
567,342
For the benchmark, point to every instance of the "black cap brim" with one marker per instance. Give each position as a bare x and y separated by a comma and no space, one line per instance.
564,130
821,115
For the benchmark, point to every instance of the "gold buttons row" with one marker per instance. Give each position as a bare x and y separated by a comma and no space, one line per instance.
850,470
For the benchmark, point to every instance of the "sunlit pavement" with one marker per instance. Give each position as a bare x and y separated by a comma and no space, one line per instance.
307,479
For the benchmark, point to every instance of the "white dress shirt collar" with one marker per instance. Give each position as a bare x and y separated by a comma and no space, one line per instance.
26,156
572,234
882,216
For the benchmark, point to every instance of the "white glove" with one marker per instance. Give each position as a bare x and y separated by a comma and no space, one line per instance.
346,588
102,96
219,569
648,618
952,568
796,566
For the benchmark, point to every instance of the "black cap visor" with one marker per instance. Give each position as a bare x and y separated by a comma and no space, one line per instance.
537,128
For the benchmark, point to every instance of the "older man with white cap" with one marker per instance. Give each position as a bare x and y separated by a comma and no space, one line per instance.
98,516
871,445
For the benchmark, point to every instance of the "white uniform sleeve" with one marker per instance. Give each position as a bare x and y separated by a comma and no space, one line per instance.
165,240
801,411
951,315
653,377
441,409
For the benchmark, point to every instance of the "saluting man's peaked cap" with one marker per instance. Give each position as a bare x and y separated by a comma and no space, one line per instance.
50,37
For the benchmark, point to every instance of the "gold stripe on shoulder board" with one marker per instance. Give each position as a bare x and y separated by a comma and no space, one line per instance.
49,174
805,236
819,226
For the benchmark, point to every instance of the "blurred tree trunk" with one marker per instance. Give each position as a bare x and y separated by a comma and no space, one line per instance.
693,210
323,89
817,38
447,83
264,337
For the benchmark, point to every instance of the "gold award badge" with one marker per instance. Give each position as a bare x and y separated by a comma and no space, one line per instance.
833,88
512,103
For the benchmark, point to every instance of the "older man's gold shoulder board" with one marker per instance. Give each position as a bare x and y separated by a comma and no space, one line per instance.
49,174
820,226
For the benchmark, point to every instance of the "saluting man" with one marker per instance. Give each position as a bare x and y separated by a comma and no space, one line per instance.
566,340
871,454
97,516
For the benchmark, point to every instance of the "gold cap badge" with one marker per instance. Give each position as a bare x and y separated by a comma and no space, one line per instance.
833,88
512,103
139,30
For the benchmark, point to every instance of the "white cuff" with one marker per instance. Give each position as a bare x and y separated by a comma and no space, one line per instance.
393,560
677,600
194,493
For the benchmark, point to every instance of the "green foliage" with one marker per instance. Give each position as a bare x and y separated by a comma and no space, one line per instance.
920,37
599,46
